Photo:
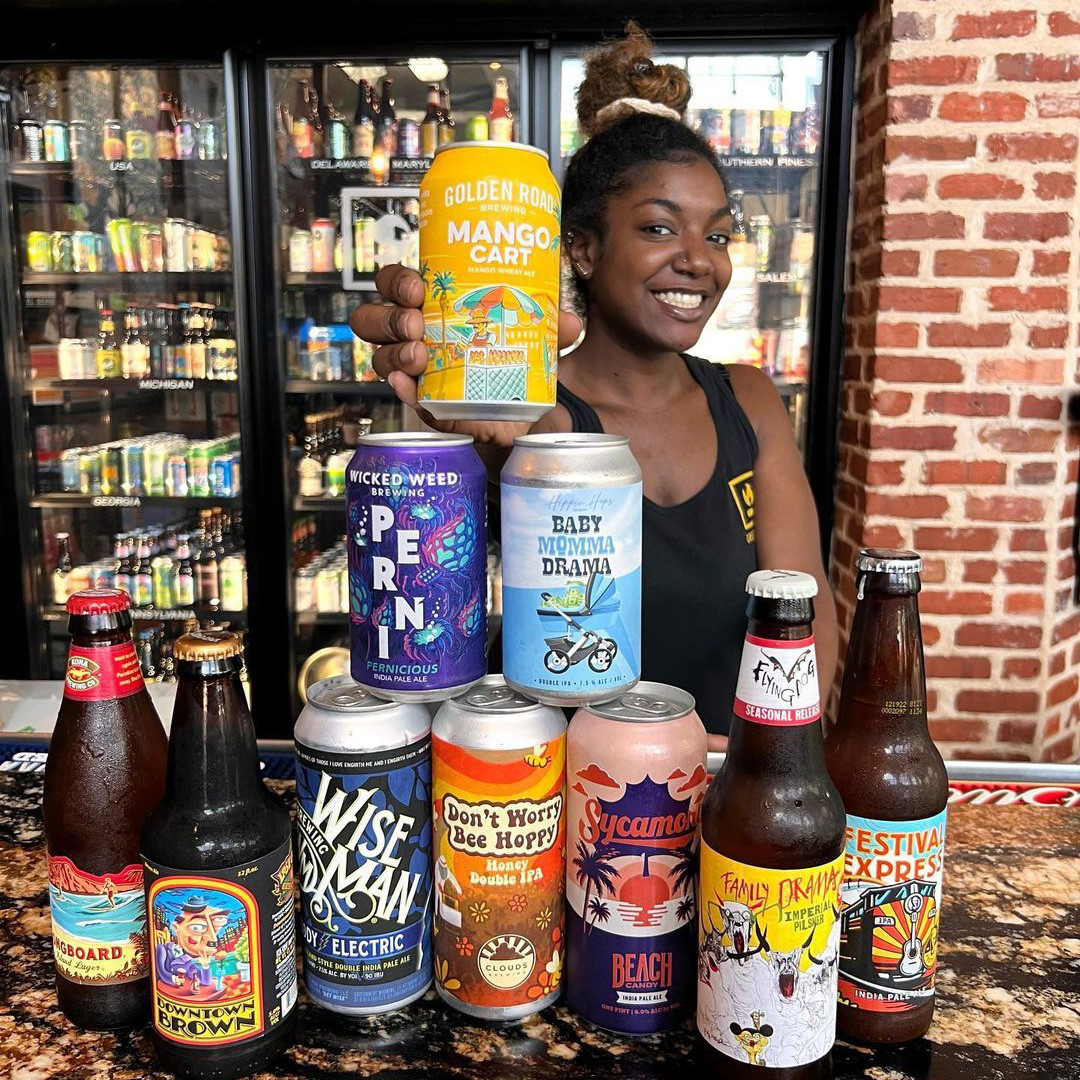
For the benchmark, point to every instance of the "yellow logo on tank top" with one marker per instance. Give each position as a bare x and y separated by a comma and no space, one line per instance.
742,491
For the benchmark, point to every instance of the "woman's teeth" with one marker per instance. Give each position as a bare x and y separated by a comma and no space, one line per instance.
685,300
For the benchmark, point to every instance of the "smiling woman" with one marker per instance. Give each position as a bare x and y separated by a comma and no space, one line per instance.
646,224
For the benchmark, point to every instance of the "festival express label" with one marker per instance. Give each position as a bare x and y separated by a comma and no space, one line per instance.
891,910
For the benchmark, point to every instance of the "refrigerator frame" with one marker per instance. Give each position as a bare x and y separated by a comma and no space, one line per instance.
20,530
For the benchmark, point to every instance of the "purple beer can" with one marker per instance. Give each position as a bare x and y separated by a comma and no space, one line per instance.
417,519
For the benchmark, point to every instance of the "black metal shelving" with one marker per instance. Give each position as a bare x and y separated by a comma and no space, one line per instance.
146,385
375,389
175,280
55,614
72,500
303,504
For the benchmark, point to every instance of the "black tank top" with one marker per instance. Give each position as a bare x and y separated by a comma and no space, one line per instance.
695,559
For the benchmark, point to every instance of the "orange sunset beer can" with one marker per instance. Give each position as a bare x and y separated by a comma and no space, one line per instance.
498,762
489,256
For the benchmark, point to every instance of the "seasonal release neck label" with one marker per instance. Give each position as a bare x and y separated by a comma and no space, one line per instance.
768,942
778,683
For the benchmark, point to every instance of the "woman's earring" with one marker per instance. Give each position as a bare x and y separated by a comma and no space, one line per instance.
582,273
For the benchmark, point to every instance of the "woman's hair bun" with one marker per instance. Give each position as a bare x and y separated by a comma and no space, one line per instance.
624,69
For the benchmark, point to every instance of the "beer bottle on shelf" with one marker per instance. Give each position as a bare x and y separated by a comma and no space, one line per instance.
134,352
181,359
895,788
772,855
430,125
61,569
105,772
165,136
446,119
122,576
143,575
184,584
217,855
107,359
363,121
386,125
302,132
206,571
500,118
315,118
194,343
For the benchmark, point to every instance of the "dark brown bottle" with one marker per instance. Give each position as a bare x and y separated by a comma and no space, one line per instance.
772,839
895,788
218,869
105,772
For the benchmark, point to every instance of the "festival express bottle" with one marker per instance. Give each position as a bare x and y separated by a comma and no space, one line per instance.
895,788
106,771
772,855
219,888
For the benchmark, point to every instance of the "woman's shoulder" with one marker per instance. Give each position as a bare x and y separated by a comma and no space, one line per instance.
752,389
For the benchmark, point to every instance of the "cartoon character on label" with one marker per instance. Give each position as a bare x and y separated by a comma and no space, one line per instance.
206,950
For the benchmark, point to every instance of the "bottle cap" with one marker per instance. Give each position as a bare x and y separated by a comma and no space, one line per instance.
889,561
98,602
203,645
781,585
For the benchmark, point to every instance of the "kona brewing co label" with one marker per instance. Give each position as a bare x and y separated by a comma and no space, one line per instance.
100,672
768,942
98,923
778,682
500,851
223,950
892,905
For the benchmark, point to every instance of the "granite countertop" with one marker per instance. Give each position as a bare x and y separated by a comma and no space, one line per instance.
1008,983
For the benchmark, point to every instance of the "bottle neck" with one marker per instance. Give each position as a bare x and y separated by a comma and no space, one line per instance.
776,726
213,756
884,666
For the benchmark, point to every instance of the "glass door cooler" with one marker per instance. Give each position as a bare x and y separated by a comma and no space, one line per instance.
123,369
762,112
351,139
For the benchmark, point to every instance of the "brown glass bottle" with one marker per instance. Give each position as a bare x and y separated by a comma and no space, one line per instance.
895,788
105,772
772,836
218,871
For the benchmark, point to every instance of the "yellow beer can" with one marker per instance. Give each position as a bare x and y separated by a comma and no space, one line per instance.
489,256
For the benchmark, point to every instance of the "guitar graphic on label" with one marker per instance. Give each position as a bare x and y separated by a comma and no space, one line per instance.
911,963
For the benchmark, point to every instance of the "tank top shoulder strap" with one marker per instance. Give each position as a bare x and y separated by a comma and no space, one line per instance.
583,416
715,380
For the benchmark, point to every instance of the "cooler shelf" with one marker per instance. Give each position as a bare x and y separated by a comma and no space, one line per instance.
382,390
74,500
137,282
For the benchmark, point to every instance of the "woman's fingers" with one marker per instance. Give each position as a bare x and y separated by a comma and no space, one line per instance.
400,285
382,324
569,329
410,357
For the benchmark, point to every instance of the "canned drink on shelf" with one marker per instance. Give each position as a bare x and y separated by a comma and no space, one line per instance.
112,141
185,139
79,139
90,472
571,549
335,473
56,138
209,140
637,775
490,221
84,252
233,583
69,355
363,951
69,470
112,463
338,139
300,252
476,129
176,260
362,353
139,144
63,260
39,252
221,476
408,140
176,482
151,249
198,460
327,589
322,245
121,241
102,574
499,776
304,589
417,524
364,245
154,457
132,478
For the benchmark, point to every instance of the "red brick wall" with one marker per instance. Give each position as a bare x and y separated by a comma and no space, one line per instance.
961,356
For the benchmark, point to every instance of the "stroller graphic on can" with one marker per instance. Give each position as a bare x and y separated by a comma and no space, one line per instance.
579,625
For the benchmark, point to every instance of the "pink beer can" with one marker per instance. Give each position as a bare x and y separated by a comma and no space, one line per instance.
635,779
